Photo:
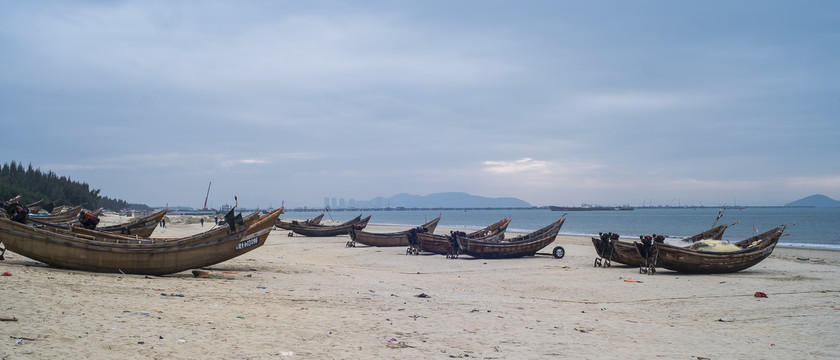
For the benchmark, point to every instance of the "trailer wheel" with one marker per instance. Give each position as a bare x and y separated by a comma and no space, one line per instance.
559,252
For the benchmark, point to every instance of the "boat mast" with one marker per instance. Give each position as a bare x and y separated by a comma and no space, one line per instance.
208,195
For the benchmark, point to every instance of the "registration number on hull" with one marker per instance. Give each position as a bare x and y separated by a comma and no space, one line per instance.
247,243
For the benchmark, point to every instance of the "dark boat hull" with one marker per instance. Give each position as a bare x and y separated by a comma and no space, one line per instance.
329,230
64,249
401,238
686,260
519,246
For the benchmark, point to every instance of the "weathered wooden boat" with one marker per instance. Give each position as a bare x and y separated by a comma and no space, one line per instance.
402,238
647,251
105,252
287,224
35,207
141,227
60,209
614,250
238,221
330,230
686,260
632,253
69,214
446,244
134,229
41,208
524,245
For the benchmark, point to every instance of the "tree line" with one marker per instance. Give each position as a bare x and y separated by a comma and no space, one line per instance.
33,185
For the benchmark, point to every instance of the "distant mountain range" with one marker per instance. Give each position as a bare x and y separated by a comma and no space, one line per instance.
441,200
815,200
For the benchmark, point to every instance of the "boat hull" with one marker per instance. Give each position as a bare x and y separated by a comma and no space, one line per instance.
64,249
402,238
686,260
519,246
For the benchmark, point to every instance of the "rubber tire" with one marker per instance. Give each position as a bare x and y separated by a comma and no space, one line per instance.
558,252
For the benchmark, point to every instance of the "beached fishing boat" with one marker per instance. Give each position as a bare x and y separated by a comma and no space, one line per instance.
287,224
614,250
402,238
524,245
446,244
67,215
611,249
35,207
120,254
750,251
239,221
330,230
141,227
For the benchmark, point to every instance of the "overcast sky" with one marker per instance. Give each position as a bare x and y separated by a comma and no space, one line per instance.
553,102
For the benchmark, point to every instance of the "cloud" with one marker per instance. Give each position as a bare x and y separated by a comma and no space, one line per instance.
235,162
147,44
517,167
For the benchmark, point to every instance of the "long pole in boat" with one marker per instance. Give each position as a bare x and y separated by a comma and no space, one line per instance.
208,195
327,208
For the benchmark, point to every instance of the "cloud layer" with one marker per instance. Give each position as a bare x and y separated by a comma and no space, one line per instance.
550,102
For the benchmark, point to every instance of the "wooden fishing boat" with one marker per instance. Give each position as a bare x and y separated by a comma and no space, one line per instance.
647,251
446,244
631,253
287,224
35,207
239,220
686,260
118,254
141,227
330,230
69,214
622,252
523,245
402,238
60,209
138,229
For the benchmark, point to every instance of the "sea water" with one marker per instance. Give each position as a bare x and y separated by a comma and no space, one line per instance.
813,228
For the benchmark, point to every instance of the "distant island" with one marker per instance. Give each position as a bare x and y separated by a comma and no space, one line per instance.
815,201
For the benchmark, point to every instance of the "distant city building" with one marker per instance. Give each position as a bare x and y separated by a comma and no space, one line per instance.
352,203
326,202
334,203
341,203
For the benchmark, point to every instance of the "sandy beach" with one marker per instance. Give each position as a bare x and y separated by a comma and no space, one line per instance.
313,298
